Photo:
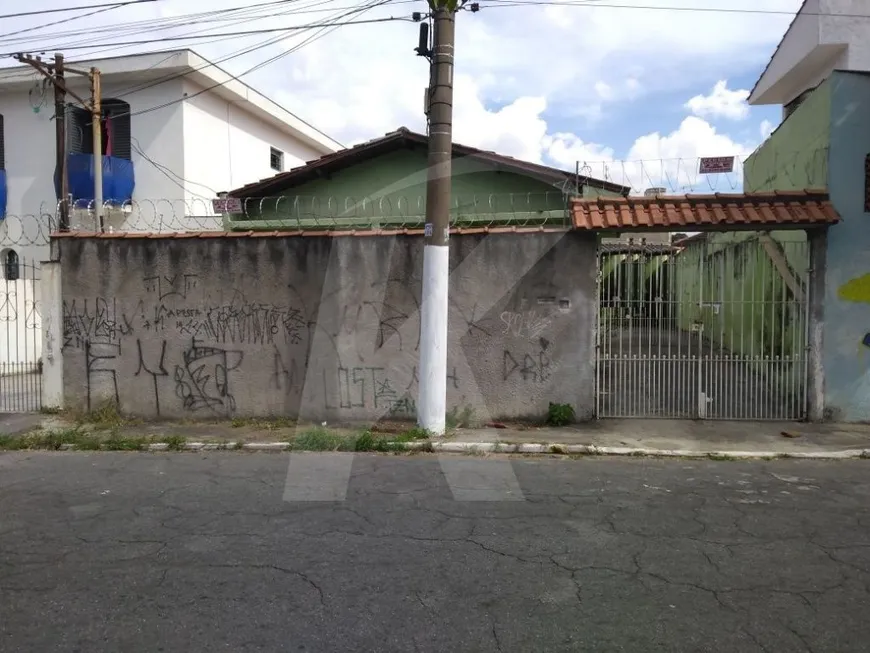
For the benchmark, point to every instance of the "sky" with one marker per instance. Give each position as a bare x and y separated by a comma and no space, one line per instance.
629,90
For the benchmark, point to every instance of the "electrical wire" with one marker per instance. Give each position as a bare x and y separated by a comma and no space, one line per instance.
80,16
323,31
157,24
239,22
64,9
168,173
294,28
491,4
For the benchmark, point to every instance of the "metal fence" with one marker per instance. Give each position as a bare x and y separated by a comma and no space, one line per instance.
20,335
717,330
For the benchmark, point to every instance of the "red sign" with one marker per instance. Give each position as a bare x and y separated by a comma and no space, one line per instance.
227,205
715,164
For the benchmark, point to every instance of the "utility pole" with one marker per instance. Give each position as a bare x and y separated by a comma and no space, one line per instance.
97,131
60,132
432,398
55,73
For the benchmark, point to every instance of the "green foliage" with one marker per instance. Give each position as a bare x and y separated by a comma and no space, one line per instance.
560,414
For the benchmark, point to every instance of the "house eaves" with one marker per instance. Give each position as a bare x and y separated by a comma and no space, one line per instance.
404,138
153,68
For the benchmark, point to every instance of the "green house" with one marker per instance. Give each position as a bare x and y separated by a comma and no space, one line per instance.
382,184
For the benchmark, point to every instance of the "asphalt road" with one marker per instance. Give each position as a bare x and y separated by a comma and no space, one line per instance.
270,552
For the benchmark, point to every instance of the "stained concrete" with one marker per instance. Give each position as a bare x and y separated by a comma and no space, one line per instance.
323,328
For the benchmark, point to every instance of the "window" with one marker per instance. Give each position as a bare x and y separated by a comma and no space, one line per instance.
276,159
11,270
115,126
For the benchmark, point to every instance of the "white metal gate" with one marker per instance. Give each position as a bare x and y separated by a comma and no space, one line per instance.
714,329
20,335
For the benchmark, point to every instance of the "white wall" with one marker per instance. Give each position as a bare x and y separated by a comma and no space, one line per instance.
846,25
226,147
30,160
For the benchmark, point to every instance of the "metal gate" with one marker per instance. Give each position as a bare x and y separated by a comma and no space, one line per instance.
716,328
20,335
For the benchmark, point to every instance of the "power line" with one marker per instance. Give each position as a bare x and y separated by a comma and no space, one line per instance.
253,18
218,35
80,16
313,37
67,9
156,24
492,4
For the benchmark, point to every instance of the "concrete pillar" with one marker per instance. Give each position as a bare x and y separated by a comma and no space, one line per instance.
818,242
52,335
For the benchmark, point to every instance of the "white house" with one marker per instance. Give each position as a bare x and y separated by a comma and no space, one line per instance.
825,35
177,130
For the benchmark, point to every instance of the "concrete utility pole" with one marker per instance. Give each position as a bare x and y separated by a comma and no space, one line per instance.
55,73
432,399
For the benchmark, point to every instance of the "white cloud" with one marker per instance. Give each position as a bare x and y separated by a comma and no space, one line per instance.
766,129
721,103
519,70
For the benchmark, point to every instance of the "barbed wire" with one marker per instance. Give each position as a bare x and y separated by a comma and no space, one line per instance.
386,209
763,170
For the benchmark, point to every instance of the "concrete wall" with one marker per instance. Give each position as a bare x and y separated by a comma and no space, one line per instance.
795,157
324,328
391,189
847,289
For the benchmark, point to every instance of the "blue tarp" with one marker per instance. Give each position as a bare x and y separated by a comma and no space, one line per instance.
3,194
118,179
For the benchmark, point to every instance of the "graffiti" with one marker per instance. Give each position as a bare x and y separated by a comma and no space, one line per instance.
473,325
160,371
527,324
284,377
533,368
241,323
100,360
856,290
49,339
85,321
404,407
179,285
202,381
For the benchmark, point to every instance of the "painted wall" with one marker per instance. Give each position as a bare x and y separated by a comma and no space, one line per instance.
30,160
324,328
225,147
748,309
847,289
391,189
795,157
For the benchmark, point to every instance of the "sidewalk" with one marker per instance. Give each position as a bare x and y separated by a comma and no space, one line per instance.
606,437
681,438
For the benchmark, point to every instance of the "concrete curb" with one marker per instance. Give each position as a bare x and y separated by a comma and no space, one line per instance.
533,448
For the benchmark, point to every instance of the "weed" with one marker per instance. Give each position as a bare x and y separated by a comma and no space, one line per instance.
319,439
560,414
413,434
49,410
268,424
555,448
457,419
720,457
238,445
117,442
174,442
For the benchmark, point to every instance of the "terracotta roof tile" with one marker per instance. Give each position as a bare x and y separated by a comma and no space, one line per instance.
809,207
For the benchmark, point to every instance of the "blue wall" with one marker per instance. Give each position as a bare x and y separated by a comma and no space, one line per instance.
847,295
